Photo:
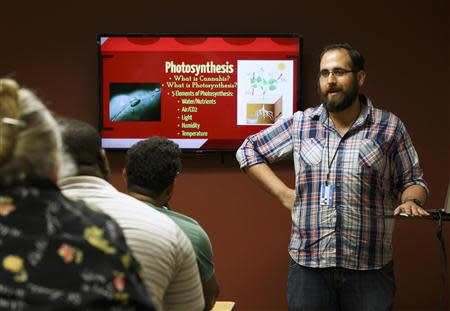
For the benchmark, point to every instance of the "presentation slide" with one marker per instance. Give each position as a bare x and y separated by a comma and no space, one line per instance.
203,92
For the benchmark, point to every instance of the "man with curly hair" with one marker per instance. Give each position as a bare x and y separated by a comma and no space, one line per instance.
152,166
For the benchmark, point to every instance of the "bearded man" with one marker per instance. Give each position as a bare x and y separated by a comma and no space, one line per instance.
355,167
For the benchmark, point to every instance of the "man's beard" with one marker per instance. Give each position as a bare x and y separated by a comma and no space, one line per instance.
338,106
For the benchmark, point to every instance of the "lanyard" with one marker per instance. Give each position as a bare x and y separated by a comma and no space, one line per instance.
327,180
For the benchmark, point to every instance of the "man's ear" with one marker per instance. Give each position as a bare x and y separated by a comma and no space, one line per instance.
103,165
125,177
361,76
171,188
167,193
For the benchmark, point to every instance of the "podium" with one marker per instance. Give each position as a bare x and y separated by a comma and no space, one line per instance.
440,216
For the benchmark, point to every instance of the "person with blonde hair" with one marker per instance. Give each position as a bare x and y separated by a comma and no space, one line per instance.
55,254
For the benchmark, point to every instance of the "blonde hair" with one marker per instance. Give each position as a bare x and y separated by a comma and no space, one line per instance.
8,111
30,141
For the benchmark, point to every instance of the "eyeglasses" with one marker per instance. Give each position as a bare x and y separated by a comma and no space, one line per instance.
337,72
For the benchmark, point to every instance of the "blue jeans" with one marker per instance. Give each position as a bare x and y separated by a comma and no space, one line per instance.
339,289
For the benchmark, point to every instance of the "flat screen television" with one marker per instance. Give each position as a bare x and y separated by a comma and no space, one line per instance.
204,92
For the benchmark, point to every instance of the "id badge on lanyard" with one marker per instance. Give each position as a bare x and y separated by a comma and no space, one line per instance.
326,194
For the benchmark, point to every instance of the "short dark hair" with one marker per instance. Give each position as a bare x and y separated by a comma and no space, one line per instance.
83,143
356,56
152,165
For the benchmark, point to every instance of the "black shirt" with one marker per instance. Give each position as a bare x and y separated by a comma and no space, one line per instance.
57,254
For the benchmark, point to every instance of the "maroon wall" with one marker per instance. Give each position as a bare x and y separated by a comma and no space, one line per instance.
52,49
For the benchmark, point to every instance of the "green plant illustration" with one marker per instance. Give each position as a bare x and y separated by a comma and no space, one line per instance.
259,82
263,84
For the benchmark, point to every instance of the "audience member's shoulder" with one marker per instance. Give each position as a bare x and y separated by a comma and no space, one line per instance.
151,219
183,217
107,198
85,213
201,237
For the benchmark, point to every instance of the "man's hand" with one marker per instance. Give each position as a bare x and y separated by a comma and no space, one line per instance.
409,195
410,208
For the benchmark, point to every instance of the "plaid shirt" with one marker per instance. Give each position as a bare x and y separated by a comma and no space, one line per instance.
375,162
